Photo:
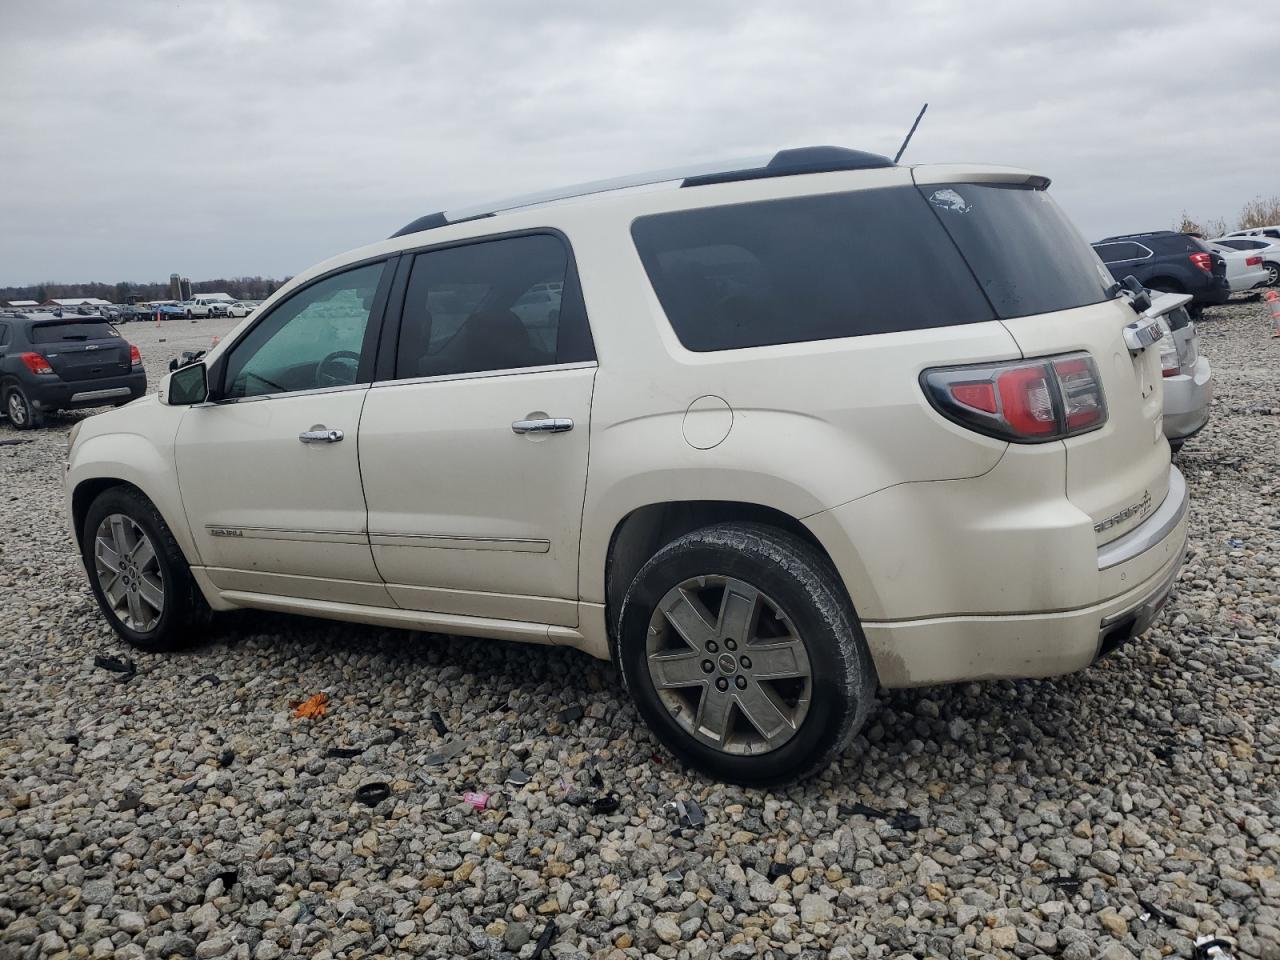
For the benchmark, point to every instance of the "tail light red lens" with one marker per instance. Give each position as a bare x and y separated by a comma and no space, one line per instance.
1025,401
36,363
1253,261
1204,261
135,357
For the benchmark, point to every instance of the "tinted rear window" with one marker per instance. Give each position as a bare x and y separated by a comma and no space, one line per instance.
806,268
1117,252
72,330
1026,254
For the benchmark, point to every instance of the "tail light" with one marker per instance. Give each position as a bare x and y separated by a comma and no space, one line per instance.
36,363
1169,362
1203,260
135,358
1253,261
1025,401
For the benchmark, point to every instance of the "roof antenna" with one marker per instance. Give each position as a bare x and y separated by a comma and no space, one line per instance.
910,133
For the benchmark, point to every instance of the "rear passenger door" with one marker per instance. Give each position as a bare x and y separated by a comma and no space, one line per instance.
473,443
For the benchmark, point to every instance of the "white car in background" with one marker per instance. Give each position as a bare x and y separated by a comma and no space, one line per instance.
1272,231
1245,268
232,308
1260,245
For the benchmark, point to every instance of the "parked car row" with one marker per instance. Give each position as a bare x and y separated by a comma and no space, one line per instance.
766,435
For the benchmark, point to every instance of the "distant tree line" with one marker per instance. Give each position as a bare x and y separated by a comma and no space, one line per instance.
242,288
1258,212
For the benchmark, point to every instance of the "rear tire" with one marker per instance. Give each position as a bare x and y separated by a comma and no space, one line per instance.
138,574
1273,273
790,678
21,413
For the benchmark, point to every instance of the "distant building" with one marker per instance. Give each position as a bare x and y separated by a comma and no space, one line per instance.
220,297
175,286
77,302
21,304
186,288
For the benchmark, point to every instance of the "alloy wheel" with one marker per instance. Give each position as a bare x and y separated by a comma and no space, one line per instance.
17,409
1273,274
729,665
129,572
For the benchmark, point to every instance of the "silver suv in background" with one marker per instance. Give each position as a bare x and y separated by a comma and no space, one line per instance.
1188,381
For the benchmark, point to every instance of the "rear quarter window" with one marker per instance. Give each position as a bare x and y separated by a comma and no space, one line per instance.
1028,257
806,268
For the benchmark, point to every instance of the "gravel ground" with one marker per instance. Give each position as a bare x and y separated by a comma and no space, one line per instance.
186,811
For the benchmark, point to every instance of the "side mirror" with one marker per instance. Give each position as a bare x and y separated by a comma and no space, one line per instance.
185,386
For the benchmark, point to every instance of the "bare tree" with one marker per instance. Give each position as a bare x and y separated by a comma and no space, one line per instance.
1260,212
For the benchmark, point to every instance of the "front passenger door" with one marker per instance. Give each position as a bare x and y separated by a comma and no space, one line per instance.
269,472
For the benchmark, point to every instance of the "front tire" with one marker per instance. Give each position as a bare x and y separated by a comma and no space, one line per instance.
744,655
138,574
20,411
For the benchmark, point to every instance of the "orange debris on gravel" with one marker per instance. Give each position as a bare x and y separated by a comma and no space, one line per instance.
313,708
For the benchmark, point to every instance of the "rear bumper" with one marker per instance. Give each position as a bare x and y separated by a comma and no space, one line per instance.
1216,291
1186,401
69,395
1123,584
1248,279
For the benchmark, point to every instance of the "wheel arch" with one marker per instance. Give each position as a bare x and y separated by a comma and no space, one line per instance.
646,529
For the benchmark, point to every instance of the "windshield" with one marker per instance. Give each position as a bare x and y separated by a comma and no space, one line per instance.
72,330
1026,254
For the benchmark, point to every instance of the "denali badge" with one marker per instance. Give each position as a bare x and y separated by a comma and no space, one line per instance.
1139,509
225,532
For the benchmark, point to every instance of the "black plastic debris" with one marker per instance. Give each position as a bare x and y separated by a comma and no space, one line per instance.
1156,912
228,878
571,714
517,777
604,805
372,794
448,750
1213,948
343,753
688,811
72,739
1068,885
776,870
899,820
544,941
438,723
125,667
597,780
13,443
210,678
226,758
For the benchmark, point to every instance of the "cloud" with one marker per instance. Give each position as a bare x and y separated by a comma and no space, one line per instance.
219,138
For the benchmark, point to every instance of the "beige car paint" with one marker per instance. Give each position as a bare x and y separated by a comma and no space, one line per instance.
965,555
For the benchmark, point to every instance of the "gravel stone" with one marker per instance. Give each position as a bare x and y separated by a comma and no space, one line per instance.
1049,808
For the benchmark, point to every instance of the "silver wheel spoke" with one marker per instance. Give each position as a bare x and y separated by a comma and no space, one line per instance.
676,670
765,712
115,591
713,714
120,541
107,556
737,611
688,616
143,553
151,592
135,608
777,660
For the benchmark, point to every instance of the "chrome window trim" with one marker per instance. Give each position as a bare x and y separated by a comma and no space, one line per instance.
486,374
314,391
1151,531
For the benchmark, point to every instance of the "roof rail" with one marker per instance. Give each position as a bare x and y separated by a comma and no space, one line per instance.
784,163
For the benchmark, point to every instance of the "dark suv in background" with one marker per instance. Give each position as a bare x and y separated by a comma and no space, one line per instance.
1168,260
63,364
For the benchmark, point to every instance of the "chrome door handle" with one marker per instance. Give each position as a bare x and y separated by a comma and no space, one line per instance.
320,436
549,425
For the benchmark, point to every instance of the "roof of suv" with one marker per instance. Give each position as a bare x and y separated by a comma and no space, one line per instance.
784,163
1139,236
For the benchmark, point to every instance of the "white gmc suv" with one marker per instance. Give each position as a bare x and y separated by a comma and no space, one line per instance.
767,435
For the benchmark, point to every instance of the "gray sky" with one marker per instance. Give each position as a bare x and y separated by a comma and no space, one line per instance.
258,137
